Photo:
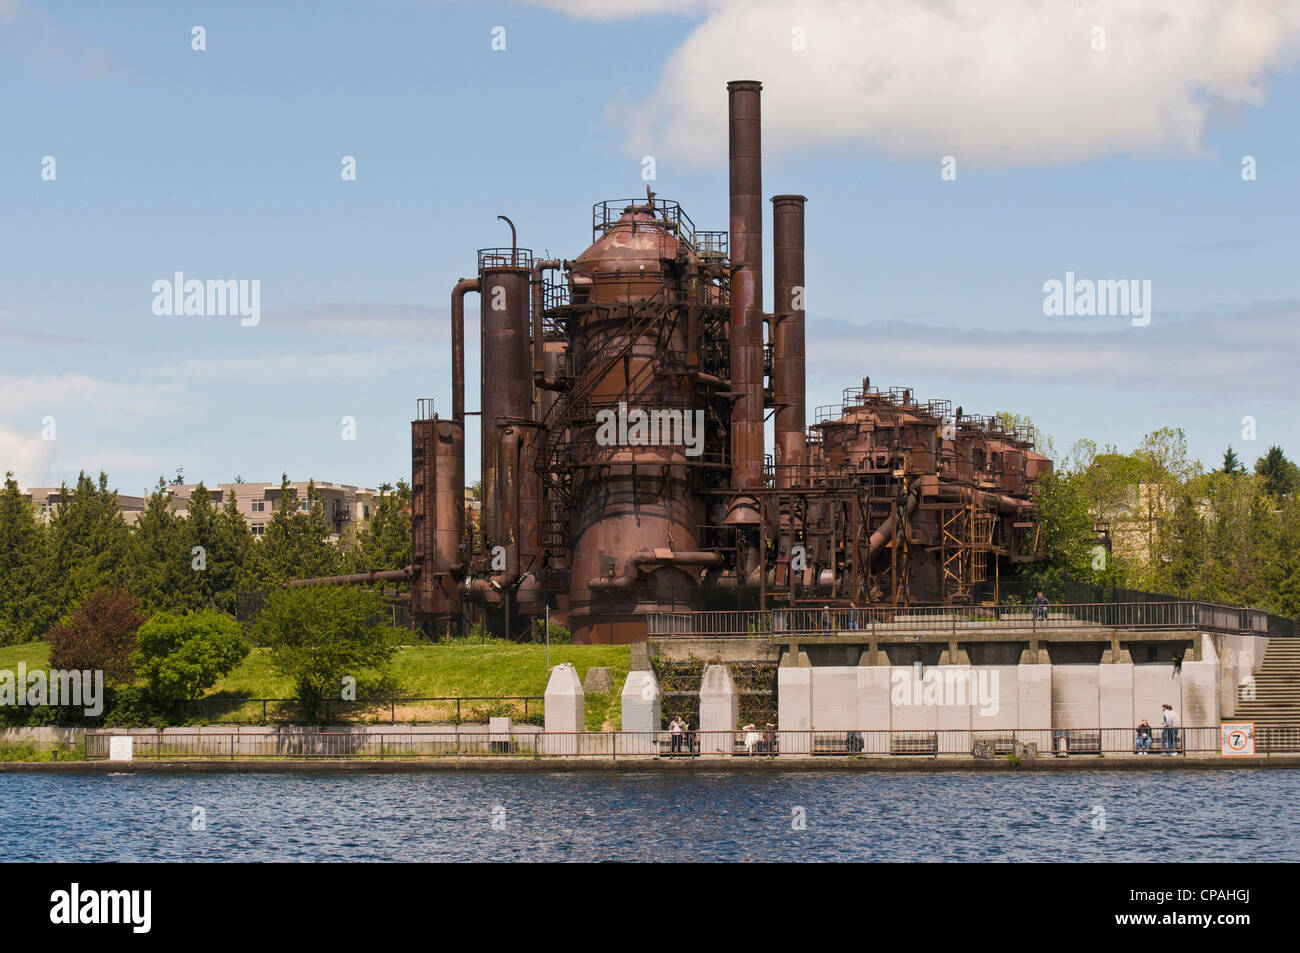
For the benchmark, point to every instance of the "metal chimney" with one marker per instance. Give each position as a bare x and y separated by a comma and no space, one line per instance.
789,386
746,191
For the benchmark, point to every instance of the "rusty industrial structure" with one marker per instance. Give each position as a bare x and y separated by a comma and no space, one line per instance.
624,399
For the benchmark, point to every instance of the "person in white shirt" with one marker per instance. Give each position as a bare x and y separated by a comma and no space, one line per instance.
675,729
1169,733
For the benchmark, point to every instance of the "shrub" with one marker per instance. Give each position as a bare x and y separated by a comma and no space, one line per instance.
182,656
99,636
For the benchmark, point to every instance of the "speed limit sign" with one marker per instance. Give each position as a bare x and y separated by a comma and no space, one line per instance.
1237,738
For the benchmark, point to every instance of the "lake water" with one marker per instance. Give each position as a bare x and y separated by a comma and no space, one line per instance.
1240,815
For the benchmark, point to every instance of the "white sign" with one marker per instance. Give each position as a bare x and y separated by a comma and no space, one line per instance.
120,747
1237,738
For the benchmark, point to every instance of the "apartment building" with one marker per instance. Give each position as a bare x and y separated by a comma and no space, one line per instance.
46,501
344,505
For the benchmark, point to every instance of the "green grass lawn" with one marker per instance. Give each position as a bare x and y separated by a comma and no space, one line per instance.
463,669
488,670
35,654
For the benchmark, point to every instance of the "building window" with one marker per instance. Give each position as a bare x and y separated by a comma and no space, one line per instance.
365,512
302,507
258,506
259,529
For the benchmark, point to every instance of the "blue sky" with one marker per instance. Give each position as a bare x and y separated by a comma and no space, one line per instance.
225,163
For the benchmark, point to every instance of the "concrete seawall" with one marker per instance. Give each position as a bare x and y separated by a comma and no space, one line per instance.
689,765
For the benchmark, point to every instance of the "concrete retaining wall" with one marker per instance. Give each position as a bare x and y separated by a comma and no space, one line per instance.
1003,697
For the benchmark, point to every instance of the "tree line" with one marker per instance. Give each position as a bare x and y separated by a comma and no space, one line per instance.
1221,535
167,562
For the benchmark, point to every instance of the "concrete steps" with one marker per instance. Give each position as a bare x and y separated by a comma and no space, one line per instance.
1277,687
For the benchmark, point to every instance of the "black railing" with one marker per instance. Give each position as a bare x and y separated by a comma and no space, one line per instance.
743,742
1045,620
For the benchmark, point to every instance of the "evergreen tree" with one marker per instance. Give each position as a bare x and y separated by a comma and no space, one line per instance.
386,542
295,544
89,543
1230,462
26,610
1280,475
160,574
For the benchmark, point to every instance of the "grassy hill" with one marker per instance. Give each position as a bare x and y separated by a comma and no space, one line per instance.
490,669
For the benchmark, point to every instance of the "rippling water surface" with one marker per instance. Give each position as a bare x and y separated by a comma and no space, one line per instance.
1148,816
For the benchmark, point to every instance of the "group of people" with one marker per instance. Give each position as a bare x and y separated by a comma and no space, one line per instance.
755,740
1168,733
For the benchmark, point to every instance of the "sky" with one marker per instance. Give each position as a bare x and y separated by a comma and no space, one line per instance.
957,157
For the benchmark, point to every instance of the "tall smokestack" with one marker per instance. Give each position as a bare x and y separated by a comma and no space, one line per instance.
746,191
789,386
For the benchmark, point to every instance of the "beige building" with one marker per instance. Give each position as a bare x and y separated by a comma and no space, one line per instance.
46,501
345,505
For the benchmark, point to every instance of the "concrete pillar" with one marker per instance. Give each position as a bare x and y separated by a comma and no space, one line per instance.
1075,696
996,705
1115,696
919,690
719,710
953,720
1200,689
641,702
834,698
566,705
873,698
794,698
1034,699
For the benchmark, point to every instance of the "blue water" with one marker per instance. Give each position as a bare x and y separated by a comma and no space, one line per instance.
1240,815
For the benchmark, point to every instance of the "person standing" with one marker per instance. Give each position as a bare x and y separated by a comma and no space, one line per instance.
1169,731
675,730
826,619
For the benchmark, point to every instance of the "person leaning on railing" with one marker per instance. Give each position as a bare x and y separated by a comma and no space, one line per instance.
1169,733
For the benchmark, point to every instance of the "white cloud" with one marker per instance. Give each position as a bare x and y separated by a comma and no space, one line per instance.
41,394
620,9
327,366
1008,84
1221,358
27,455
365,319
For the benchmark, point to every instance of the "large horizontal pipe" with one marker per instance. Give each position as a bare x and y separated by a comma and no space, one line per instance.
463,287
998,501
356,578
637,562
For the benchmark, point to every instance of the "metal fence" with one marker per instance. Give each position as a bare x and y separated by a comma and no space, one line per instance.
777,623
420,710
388,745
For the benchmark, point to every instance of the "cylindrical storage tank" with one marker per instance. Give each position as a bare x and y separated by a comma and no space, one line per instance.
437,517
788,379
506,389
631,488
450,501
